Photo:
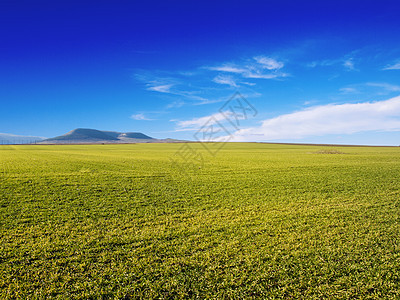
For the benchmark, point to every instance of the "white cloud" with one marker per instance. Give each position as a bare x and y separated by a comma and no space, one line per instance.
259,67
176,104
228,68
386,86
140,117
395,66
349,64
269,63
172,86
197,90
323,63
164,88
210,101
349,90
259,75
156,83
248,83
223,79
327,119
371,88
197,123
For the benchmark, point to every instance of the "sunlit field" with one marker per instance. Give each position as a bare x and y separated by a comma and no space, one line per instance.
255,221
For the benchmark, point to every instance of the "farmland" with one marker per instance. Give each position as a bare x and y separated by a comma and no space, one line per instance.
255,221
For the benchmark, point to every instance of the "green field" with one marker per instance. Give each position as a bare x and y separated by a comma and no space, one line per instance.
256,221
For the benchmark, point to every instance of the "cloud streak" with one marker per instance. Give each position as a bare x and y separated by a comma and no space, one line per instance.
259,67
386,86
196,123
370,88
164,88
140,117
210,84
223,79
269,63
349,90
327,119
395,66
174,87
347,62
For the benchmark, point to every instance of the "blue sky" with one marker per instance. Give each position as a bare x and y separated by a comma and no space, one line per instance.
316,71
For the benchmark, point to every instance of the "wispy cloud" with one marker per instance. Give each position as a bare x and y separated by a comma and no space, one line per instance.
210,101
327,119
224,79
164,88
349,90
309,102
176,104
386,86
260,75
395,66
259,67
349,64
314,64
155,83
171,86
248,83
195,87
370,88
269,63
140,117
196,123
228,68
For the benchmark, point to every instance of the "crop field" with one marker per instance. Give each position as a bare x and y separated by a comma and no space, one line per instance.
255,221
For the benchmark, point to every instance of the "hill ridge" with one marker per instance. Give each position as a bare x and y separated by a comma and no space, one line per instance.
95,136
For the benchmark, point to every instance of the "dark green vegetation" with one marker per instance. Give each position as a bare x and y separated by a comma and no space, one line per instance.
257,221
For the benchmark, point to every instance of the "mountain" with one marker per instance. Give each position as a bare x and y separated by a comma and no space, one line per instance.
83,134
135,135
6,138
93,136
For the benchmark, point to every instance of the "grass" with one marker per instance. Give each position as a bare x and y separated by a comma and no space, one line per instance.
329,151
256,221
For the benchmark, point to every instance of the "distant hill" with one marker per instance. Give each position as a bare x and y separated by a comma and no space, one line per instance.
6,138
93,136
83,134
135,135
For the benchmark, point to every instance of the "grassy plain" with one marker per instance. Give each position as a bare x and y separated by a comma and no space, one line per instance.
256,221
